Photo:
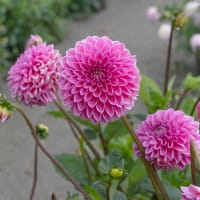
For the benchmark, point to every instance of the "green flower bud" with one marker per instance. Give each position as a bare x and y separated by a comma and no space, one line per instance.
167,14
116,172
181,20
42,130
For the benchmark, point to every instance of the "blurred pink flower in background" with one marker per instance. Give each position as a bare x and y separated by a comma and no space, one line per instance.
34,40
196,19
191,8
164,31
192,192
165,136
153,14
33,78
99,79
195,41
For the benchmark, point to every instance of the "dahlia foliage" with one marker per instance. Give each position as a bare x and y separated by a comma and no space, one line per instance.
94,87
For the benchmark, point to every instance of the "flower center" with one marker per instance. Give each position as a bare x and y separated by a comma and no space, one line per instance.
97,73
160,130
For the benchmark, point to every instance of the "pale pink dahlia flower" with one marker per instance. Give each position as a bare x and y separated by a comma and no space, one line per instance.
33,78
191,192
99,79
153,14
195,42
165,136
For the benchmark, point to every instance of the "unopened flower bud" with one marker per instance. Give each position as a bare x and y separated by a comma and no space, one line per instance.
42,130
5,114
181,20
34,40
167,14
116,172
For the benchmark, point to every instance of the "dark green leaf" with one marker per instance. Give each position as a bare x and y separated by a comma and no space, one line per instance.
113,159
90,133
114,129
93,193
119,196
74,165
56,114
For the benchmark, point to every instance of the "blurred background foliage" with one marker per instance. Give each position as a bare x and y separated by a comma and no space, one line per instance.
20,18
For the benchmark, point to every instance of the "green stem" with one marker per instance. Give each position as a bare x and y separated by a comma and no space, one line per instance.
103,141
108,190
70,120
157,184
35,172
181,99
55,162
194,106
192,158
167,70
84,159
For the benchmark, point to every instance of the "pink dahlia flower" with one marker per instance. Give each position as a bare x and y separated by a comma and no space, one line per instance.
165,136
33,78
99,79
190,193
34,40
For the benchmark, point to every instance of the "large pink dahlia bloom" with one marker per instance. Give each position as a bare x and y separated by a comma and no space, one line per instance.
191,192
99,79
165,136
33,78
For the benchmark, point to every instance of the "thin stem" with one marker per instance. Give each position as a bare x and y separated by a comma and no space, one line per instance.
84,159
108,190
181,99
157,184
193,168
167,70
35,172
53,196
55,162
69,119
103,141
195,105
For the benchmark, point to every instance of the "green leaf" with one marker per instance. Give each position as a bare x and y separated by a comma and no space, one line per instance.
56,114
74,165
140,116
90,133
93,193
187,105
191,82
150,94
123,144
173,192
114,129
113,159
138,172
119,196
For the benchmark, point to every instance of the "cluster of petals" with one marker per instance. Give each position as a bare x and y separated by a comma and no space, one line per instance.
5,114
153,14
33,77
195,42
99,79
165,136
164,31
191,192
